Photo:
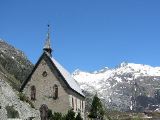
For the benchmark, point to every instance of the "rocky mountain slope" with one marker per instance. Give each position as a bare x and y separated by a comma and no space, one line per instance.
12,106
122,88
14,65
14,68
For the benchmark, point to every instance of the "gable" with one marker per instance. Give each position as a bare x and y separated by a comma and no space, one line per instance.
59,71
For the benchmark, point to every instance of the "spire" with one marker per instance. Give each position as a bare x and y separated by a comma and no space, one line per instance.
47,47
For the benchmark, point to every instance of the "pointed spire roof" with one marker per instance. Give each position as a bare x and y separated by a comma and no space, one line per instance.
47,47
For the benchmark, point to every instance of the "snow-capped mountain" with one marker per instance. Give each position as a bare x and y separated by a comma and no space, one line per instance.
117,87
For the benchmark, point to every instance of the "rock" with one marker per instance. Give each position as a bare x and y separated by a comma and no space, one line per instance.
8,97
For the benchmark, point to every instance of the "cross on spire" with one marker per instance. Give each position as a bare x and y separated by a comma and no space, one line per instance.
47,47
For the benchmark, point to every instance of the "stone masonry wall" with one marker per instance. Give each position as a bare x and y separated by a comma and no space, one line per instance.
44,89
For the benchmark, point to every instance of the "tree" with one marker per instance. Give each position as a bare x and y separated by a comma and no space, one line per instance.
70,115
96,109
78,117
50,115
57,116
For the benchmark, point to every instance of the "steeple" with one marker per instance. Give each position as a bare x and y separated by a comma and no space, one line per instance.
47,47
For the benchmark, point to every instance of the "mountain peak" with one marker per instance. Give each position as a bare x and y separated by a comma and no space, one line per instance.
116,85
123,64
76,72
101,70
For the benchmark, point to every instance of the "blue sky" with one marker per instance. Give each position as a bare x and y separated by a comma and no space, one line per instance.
86,34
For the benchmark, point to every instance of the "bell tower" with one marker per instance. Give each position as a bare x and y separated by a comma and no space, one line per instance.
47,47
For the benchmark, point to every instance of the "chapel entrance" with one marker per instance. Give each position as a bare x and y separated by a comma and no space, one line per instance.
43,112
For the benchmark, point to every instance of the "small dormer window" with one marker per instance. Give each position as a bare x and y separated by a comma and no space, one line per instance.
44,74
55,92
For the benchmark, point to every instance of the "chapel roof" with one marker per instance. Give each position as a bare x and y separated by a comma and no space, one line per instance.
69,79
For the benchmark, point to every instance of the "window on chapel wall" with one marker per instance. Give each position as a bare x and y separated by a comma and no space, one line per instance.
73,103
82,106
76,103
33,92
55,91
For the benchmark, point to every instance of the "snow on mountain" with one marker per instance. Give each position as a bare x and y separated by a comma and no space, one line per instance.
115,86
97,77
139,69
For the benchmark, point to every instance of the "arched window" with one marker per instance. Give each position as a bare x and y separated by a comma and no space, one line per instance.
33,92
55,91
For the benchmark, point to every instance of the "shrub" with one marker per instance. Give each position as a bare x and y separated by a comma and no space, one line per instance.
25,99
78,117
57,116
50,115
70,115
11,112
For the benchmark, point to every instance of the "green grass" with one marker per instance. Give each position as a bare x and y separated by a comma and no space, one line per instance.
22,97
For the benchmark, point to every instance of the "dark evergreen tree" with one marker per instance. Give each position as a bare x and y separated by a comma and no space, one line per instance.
57,116
96,109
70,115
50,115
78,117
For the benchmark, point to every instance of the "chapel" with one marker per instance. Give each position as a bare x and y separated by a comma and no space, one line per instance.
51,86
